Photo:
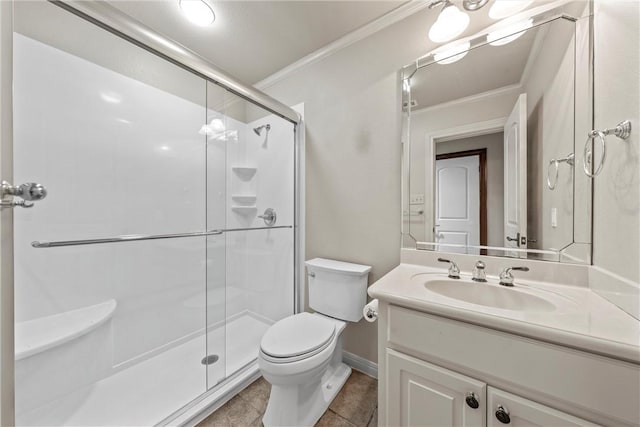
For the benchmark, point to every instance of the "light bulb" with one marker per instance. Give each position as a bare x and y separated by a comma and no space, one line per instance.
449,54
217,125
509,34
198,12
450,24
505,8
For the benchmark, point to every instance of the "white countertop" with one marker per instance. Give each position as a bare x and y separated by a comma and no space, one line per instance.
586,321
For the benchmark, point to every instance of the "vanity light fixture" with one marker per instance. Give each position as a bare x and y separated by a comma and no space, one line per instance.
450,23
508,34
198,12
451,53
504,8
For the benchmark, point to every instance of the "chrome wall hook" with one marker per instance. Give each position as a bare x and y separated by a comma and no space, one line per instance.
622,131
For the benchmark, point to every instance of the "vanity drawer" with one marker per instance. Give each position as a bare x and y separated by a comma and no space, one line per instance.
568,379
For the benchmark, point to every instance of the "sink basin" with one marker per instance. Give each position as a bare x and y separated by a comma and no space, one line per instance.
490,295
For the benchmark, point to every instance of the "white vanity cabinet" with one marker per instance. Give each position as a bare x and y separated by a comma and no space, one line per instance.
520,412
423,394
429,365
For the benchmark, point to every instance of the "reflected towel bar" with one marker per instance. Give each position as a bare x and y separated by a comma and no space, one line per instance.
138,237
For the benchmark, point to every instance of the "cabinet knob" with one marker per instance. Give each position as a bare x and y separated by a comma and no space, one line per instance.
472,400
503,415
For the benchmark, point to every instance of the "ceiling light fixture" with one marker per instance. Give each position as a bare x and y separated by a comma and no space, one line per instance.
450,23
198,12
509,34
505,8
449,54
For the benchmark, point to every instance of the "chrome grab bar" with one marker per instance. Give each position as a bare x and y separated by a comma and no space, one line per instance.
139,237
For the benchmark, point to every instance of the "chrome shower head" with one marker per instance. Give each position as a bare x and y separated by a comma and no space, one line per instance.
258,130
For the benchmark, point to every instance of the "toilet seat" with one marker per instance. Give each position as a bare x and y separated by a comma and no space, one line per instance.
296,338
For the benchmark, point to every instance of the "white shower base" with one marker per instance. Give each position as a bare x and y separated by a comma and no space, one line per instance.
146,393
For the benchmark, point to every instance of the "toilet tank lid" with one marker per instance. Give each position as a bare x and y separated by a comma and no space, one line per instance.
337,266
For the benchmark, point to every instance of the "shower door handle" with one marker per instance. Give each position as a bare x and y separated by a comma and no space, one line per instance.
28,192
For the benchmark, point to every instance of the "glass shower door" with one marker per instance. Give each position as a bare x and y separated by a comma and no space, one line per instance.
258,253
107,332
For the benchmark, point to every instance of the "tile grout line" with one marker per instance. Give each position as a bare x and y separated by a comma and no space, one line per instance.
246,402
340,416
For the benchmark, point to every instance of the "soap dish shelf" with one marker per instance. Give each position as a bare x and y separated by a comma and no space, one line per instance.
245,199
244,171
244,210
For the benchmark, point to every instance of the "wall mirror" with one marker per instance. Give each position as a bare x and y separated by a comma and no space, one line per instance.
492,137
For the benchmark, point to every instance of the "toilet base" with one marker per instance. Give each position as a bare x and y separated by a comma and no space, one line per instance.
303,405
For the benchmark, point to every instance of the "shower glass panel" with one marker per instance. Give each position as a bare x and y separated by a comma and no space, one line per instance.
259,262
216,130
107,334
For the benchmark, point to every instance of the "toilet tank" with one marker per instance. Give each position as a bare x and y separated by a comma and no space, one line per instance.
337,289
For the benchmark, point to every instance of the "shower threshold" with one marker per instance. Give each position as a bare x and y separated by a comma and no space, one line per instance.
144,394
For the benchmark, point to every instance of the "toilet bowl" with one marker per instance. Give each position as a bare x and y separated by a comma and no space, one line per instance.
304,378
301,355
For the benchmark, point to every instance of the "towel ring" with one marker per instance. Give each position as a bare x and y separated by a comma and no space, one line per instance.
552,182
622,131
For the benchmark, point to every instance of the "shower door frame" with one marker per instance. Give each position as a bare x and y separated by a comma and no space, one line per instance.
120,24
7,351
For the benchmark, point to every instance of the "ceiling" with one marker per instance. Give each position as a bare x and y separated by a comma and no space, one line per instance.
253,39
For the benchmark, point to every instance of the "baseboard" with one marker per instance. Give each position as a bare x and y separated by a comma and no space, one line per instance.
361,364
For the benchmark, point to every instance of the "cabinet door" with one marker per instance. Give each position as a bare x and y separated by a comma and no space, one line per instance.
422,394
523,413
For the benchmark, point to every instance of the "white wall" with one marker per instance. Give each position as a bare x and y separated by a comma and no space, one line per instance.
353,154
549,85
616,240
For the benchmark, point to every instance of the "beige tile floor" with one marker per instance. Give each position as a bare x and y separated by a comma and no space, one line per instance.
355,405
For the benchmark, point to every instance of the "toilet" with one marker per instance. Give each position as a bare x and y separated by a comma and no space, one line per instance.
301,355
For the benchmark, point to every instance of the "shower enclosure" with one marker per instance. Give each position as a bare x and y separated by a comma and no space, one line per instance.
167,242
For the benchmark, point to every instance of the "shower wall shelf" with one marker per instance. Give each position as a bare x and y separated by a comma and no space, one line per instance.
244,171
37,335
245,199
244,210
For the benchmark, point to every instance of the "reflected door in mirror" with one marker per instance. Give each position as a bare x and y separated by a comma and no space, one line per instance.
515,177
457,203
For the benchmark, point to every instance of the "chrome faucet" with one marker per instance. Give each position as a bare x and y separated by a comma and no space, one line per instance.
454,271
478,272
506,278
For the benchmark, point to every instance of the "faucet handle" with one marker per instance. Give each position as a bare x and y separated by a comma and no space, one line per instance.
478,272
506,278
454,271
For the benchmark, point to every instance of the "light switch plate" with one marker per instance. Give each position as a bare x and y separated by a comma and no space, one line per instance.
416,199
554,217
